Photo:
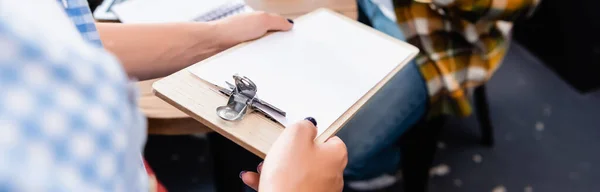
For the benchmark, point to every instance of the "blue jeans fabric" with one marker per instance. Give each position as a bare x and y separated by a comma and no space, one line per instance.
372,134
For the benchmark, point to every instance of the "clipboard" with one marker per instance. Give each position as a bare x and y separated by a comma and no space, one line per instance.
255,132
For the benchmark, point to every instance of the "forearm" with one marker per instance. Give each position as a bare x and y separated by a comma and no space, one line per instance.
155,50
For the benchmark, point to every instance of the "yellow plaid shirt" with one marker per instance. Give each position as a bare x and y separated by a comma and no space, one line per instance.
460,42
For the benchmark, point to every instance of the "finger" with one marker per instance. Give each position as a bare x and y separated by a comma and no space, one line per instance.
304,130
274,22
259,167
251,179
336,148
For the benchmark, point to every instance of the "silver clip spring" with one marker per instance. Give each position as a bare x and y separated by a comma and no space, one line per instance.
241,97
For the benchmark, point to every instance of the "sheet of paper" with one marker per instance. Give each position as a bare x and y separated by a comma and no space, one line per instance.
160,11
318,69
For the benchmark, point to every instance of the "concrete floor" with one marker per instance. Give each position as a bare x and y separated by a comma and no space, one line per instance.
547,139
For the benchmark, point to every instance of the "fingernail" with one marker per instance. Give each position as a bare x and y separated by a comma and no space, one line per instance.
312,120
289,20
259,167
242,173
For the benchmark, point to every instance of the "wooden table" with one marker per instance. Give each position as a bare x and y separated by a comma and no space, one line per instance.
165,119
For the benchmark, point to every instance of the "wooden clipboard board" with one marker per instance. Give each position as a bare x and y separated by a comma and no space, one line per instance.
255,132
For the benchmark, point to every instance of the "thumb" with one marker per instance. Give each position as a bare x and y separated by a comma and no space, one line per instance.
337,149
274,22
304,131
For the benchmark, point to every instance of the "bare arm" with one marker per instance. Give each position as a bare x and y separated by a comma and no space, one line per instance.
154,50
150,51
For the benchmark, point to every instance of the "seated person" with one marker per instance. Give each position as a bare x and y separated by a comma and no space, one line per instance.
69,119
460,47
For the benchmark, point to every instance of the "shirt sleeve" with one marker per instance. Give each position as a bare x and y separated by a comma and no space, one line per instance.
475,10
66,121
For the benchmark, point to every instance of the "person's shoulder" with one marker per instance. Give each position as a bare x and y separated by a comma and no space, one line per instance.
37,18
44,24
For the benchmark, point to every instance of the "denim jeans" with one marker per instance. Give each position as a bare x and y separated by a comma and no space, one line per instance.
371,135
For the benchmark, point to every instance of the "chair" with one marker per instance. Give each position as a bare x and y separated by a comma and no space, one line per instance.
419,143
483,116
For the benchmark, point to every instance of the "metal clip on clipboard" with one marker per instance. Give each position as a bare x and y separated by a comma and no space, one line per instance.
241,97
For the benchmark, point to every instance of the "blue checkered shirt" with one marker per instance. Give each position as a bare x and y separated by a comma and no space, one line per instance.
68,114
80,14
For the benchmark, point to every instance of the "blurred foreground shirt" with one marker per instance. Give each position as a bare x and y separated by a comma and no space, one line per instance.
68,115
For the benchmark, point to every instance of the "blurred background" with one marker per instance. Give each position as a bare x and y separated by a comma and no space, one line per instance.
543,114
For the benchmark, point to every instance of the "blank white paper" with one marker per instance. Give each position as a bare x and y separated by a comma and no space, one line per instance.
318,69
